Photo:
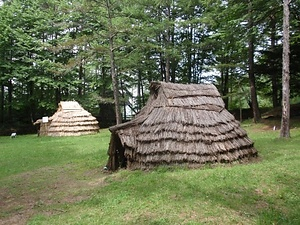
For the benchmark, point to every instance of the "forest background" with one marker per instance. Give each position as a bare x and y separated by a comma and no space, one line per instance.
73,50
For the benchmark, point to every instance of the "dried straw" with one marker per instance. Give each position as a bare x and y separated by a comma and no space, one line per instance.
181,124
71,120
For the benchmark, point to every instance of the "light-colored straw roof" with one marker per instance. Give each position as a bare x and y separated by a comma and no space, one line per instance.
71,119
70,106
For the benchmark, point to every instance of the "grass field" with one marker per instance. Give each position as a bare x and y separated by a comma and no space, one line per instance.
60,181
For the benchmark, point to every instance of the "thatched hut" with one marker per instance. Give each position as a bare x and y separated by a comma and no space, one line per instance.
70,119
180,124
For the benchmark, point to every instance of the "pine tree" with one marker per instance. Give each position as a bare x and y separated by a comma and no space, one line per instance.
285,119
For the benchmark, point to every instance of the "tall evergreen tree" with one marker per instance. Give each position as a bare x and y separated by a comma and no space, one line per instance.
285,119
251,51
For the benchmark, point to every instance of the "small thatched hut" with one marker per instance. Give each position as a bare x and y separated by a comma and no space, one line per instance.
70,119
180,124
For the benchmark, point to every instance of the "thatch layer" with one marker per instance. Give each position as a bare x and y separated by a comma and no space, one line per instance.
71,120
181,124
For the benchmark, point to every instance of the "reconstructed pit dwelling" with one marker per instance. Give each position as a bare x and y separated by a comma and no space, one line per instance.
180,124
70,119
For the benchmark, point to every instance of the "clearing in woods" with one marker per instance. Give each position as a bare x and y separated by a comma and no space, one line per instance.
61,181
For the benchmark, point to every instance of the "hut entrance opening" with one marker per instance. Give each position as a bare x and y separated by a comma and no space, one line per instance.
117,157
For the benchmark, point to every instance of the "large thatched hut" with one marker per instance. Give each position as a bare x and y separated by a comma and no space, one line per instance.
70,119
180,124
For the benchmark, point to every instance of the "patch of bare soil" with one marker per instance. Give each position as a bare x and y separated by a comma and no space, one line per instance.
45,191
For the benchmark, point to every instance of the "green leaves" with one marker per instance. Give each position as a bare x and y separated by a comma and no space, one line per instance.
61,48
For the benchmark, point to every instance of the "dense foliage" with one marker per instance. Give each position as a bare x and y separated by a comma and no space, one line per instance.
62,50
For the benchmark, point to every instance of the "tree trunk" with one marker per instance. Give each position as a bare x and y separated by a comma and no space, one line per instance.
80,74
273,73
10,101
115,87
124,101
58,94
254,102
32,106
168,44
162,67
224,84
2,104
168,69
139,99
285,119
112,65
190,36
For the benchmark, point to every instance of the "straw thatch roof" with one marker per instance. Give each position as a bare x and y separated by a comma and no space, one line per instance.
70,119
180,124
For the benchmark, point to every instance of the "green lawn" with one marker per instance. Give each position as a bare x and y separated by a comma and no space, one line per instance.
60,181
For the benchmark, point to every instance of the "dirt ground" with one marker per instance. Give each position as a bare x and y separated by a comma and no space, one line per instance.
45,192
